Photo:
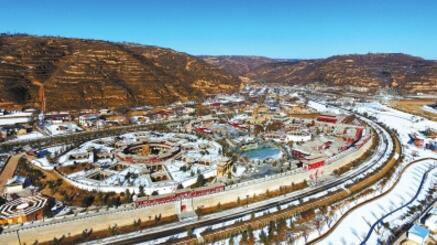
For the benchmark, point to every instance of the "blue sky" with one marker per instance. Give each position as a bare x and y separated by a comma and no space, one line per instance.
282,29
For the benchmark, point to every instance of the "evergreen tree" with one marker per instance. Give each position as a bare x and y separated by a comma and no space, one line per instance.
263,236
141,193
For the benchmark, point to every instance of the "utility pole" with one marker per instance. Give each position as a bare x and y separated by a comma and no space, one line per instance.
18,236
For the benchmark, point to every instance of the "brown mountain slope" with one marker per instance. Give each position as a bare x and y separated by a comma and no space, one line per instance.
404,73
236,64
79,73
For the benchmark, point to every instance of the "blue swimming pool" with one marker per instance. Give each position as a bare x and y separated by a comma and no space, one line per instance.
263,153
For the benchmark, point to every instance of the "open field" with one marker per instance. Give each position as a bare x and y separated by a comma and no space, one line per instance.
414,106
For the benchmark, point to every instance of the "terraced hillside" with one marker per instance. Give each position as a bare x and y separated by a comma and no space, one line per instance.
77,73
365,73
236,64
371,72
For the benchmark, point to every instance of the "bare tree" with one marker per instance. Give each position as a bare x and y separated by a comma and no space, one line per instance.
318,223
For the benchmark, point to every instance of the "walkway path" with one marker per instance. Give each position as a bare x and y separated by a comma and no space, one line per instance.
358,225
414,198
9,170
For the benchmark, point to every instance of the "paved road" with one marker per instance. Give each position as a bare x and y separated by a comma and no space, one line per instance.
381,220
352,221
9,170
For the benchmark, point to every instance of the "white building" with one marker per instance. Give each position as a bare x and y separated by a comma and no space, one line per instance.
418,234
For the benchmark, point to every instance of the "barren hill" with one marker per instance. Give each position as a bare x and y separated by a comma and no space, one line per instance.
404,73
366,73
237,64
77,73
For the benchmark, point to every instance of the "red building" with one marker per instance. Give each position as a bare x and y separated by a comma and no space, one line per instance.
315,165
358,133
201,130
327,118
298,154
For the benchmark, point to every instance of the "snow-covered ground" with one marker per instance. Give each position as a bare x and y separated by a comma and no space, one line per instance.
64,128
43,163
429,109
356,225
402,122
15,117
322,108
30,136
